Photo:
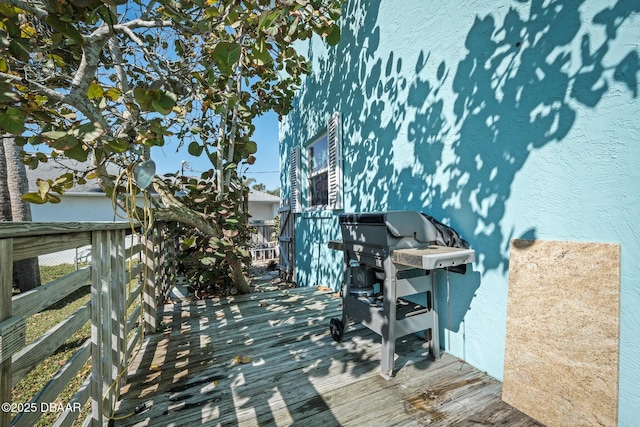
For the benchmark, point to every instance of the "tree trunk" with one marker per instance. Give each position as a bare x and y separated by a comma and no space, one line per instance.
13,184
239,278
5,198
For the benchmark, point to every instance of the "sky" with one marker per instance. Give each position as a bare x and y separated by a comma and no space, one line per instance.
266,169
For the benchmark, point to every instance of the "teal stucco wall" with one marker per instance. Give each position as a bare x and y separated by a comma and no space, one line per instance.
504,119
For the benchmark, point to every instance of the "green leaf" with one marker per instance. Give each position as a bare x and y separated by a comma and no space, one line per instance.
65,143
63,179
144,98
7,95
52,198
112,94
334,36
78,153
251,147
95,91
165,103
65,28
188,242
8,11
105,12
119,145
12,121
260,54
155,100
195,149
225,55
54,134
90,131
18,50
34,198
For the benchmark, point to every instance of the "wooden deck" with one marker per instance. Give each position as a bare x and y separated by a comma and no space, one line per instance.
268,359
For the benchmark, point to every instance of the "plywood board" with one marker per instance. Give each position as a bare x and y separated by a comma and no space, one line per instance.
561,351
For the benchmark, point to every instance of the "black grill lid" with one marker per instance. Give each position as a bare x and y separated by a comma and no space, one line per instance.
399,223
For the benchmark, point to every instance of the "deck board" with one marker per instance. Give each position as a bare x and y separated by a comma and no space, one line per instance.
187,375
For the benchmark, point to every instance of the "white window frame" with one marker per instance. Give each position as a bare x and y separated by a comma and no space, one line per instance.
334,170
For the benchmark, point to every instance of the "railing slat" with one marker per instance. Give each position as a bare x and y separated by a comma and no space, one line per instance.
135,339
35,300
29,247
33,354
132,320
96,329
119,308
134,294
17,228
55,385
149,286
69,415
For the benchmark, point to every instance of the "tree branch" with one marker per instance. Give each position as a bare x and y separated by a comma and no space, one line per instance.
174,210
35,8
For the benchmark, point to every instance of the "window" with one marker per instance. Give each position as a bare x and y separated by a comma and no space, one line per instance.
323,157
318,172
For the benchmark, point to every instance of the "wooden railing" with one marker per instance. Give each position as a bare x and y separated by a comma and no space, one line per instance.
262,245
126,281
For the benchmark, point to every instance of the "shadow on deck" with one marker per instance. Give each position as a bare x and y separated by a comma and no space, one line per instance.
268,359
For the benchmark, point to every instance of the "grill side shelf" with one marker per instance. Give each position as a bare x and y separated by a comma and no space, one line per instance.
433,257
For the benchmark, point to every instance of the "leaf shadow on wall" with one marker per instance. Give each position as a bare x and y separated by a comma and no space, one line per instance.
514,92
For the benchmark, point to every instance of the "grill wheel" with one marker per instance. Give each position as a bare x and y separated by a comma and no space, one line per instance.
337,329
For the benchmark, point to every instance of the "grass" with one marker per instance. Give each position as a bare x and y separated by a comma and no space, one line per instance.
39,324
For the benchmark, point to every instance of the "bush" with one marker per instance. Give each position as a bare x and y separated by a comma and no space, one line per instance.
204,260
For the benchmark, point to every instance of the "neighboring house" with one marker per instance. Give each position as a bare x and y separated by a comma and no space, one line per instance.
85,202
502,119
88,203
263,208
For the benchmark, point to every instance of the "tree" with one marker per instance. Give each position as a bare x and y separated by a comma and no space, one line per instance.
259,187
13,180
103,81
275,192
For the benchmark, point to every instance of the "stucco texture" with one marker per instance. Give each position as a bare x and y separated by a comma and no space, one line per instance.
503,119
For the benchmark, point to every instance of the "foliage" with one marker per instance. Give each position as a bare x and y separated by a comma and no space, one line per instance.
274,192
205,260
105,80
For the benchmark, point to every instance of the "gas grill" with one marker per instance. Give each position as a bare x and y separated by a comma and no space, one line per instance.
389,256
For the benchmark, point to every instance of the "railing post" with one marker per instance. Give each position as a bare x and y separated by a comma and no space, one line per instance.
149,301
97,373
120,306
165,266
172,253
6,284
